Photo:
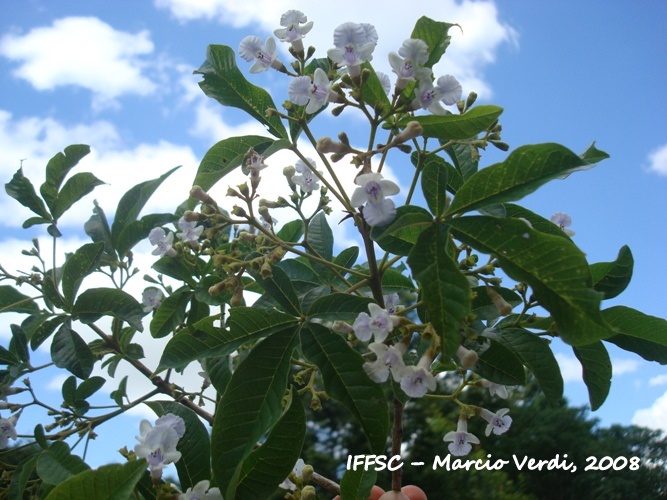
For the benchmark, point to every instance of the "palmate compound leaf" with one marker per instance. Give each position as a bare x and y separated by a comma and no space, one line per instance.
226,84
445,291
525,169
554,268
346,381
251,405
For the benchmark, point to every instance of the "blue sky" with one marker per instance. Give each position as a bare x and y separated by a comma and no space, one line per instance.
118,76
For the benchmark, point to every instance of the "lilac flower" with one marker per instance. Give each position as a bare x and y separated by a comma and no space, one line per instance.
158,444
460,440
391,303
377,325
190,232
201,491
499,422
496,389
372,190
408,63
563,220
151,298
467,357
447,90
264,55
8,430
288,484
354,45
163,242
389,359
295,27
307,181
314,93
418,380
384,81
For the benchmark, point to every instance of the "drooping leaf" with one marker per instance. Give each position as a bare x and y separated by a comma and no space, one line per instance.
320,238
226,84
70,351
554,267
45,330
611,278
251,404
267,466
638,332
465,159
79,265
195,447
346,381
279,287
597,371
525,169
171,313
97,227
175,268
436,36
94,303
445,290
456,127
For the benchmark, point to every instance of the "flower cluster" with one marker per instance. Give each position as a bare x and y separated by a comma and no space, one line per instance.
157,444
164,241
7,430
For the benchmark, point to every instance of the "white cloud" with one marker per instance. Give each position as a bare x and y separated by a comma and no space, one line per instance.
654,417
570,368
658,380
658,160
85,52
472,47
621,366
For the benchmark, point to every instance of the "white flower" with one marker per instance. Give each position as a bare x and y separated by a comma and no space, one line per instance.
460,440
496,389
307,181
190,232
499,422
264,55
200,491
7,430
293,30
163,242
391,303
447,90
287,484
467,357
315,94
377,325
354,45
384,81
158,444
372,190
418,380
151,298
408,63
563,220
389,359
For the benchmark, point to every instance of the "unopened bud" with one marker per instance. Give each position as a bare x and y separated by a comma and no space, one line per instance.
308,493
237,297
306,473
217,289
504,308
311,51
264,212
503,146
198,193
467,357
191,216
238,211
460,106
472,97
338,109
412,129
342,327
243,189
326,145
266,271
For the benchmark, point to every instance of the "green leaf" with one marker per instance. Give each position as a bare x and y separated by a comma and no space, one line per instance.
525,169
56,171
445,290
456,127
554,267
593,154
171,313
436,36
251,404
69,390
452,175
7,357
372,92
267,466
346,381
76,187
500,364
21,189
21,477
400,236
109,482
227,155
175,268
339,306
45,330
226,84
79,265
638,332
538,222
434,186
320,238
58,464
97,302
89,387
70,351
465,158
611,278
195,446
98,229
357,483
597,371
131,204
19,343
138,230
219,372
291,232
279,287
347,257
11,300
537,355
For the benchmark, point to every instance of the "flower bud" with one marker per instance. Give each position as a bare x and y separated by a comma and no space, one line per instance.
326,145
467,357
238,211
308,493
503,146
504,308
412,129
198,193
243,189
217,289
342,327
191,216
237,297
338,109
266,271
472,97
264,212
311,51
